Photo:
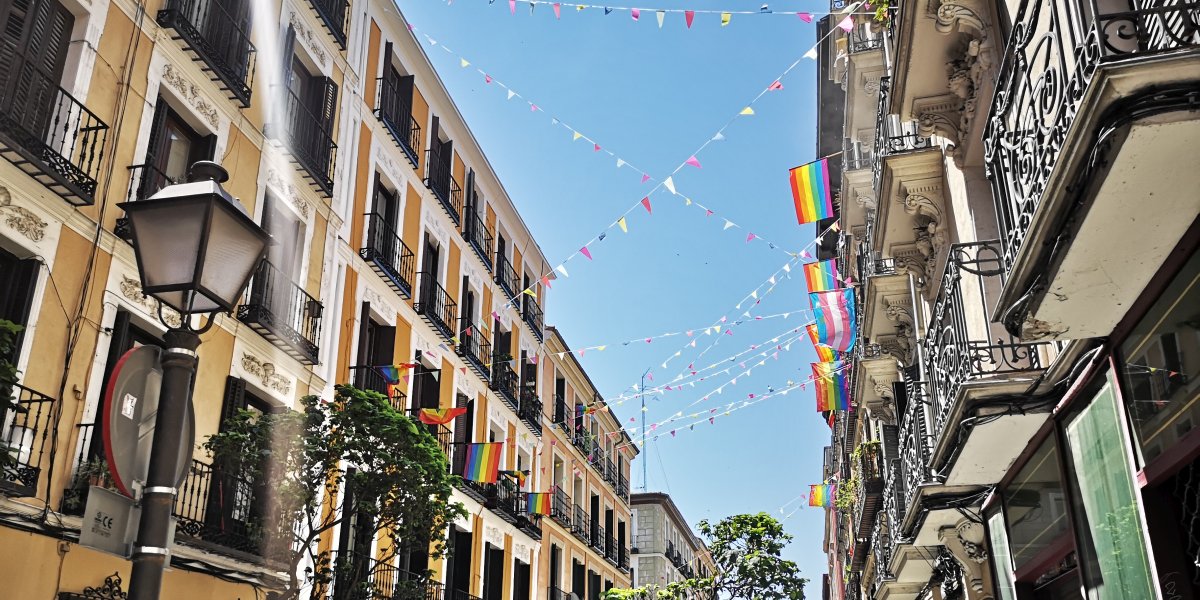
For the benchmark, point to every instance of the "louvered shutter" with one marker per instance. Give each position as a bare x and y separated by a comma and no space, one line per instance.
463,424
329,93
235,399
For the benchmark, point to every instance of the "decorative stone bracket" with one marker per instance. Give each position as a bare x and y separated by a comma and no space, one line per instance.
968,546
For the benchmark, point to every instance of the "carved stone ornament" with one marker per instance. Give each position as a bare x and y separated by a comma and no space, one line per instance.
23,220
311,40
967,545
285,190
493,536
132,290
265,372
911,261
190,92
870,84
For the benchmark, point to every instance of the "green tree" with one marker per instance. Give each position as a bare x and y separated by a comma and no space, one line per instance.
746,549
398,473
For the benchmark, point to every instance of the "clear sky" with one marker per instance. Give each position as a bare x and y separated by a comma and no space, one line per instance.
653,96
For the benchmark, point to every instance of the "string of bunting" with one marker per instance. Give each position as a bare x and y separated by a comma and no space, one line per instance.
635,13
668,183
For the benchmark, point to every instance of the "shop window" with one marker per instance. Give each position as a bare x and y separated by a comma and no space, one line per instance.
1001,558
1112,552
1159,365
1036,511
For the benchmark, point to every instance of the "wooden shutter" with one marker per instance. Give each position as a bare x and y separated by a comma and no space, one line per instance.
329,93
235,399
364,336
285,54
387,70
470,193
463,425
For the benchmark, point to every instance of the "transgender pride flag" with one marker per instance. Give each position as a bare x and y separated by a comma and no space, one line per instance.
834,312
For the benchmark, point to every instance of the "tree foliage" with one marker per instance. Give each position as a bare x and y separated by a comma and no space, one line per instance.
746,549
382,467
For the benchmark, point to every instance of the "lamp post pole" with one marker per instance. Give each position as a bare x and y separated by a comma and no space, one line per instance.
151,549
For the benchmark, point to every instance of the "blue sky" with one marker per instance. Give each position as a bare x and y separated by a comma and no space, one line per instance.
653,96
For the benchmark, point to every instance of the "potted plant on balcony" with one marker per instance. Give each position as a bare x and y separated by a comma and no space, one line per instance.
8,377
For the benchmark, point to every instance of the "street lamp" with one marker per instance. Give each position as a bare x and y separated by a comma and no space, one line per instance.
196,250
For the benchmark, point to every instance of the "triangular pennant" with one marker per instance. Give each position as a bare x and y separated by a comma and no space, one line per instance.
636,13
693,161
645,178
688,15
562,269
512,6
511,94
811,54
775,86
462,62
575,135
728,224
557,10
646,203
747,111
620,163
669,184
660,15
725,17
623,225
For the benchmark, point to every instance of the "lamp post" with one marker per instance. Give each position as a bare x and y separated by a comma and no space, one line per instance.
196,250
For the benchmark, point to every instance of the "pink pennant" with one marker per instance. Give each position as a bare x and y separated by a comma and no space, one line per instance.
650,376
646,203
487,78
584,251
708,213
775,86
596,148
805,254
635,13
712,420
672,433
695,162
750,237
410,27
648,340
546,280
463,369
728,332
688,15
533,107
689,334
806,17
645,178
512,6
557,10
751,396
495,316
847,24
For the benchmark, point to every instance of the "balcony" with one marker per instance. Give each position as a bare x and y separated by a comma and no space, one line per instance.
622,487
440,433
308,141
868,470
388,256
25,421
598,538
479,237
582,441
916,445
893,136
217,40
393,108
359,576
580,527
333,14
865,38
1092,106
560,414
610,549
220,511
435,305
560,508
474,347
530,410
965,360
368,377
283,313
506,276
440,180
504,382
48,134
532,315
623,559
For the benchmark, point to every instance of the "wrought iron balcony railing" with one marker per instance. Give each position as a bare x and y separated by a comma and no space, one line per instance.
221,509
960,343
308,141
220,40
333,15
622,487
368,377
598,537
580,526
610,548
87,470
474,347
145,180
1053,53
25,422
478,236
560,413
609,472
440,180
881,541
388,255
436,306
864,38
284,313
530,409
560,507
916,445
360,576
393,108
506,276
623,558
47,133
582,440
505,382
441,433
531,312
868,469
893,136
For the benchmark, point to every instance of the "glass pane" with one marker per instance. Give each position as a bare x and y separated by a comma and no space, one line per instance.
1035,506
1001,559
1112,553
1161,361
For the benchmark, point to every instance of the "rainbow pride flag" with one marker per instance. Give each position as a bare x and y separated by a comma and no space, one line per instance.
811,191
821,495
439,416
483,462
836,323
821,276
390,373
833,386
824,353
538,504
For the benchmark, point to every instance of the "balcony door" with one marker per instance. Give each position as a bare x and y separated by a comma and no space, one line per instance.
287,233
386,207
555,568
397,92
578,581
33,52
464,428
236,500
17,279
521,573
353,558
440,156
493,573
174,146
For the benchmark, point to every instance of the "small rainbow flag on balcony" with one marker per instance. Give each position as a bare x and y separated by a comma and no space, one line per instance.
824,353
811,191
538,504
483,462
833,386
835,319
439,416
821,276
821,495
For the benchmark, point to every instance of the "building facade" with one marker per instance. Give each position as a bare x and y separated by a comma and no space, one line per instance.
394,243
667,550
1017,207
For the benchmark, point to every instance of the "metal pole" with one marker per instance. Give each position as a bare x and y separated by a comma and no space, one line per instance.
150,551
642,392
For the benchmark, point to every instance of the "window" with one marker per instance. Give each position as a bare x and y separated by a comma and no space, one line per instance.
173,147
17,280
33,52
1036,507
287,232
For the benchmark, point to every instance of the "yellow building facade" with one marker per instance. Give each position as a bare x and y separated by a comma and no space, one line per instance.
394,242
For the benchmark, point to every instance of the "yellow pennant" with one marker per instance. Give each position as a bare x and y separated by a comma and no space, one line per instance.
747,111
725,18
529,293
463,62
621,223
576,136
